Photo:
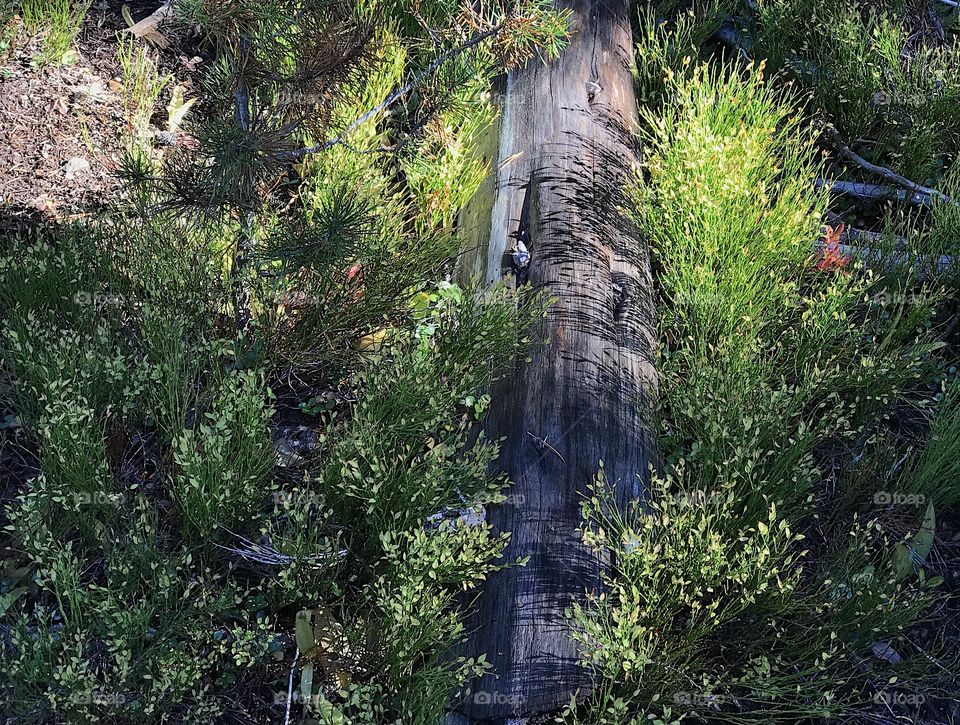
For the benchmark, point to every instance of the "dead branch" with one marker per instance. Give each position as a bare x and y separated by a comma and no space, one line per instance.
893,260
875,191
882,171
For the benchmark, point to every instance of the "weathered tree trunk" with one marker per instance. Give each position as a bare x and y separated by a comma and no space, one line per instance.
565,154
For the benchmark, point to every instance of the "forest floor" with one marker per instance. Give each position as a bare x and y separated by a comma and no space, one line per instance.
63,125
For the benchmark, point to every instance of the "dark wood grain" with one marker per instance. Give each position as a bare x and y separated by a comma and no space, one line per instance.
566,137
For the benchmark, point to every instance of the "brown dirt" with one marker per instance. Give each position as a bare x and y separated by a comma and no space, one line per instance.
59,125
62,127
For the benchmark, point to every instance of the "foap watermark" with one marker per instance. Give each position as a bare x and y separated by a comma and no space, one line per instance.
889,297
482,697
892,498
97,697
91,298
296,499
515,499
696,699
898,697
298,698
98,498
697,499
883,99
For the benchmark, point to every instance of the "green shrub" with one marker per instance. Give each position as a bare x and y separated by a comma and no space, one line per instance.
664,48
713,607
138,644
59,21
932,473
220,464
133,615
162,583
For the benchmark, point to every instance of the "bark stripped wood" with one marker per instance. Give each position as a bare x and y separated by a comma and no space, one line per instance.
875,192
565,155
898,261
148,28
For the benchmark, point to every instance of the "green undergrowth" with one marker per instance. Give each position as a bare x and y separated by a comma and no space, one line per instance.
780,558
168,557
58,21
879,71
877,76
134,600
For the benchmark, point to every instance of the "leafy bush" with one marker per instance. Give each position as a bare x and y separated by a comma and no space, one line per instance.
220,464
163,581
664,48
132,613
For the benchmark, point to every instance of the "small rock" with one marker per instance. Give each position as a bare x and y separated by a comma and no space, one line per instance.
450,517
90,92
883,651
165,138
75,166
286,455
293,444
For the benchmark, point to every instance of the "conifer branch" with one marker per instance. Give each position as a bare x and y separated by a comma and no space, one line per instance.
415,81
244,249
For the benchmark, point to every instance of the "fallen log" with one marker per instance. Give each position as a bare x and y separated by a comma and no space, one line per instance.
563,154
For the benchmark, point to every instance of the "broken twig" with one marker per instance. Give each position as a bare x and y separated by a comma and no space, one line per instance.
542,443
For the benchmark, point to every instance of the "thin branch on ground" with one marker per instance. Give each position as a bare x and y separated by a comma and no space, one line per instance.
293,667
882,171
267,554
898,259
875,191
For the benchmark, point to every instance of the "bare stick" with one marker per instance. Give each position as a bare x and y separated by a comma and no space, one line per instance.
293,667
542,443
874,191
881,171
